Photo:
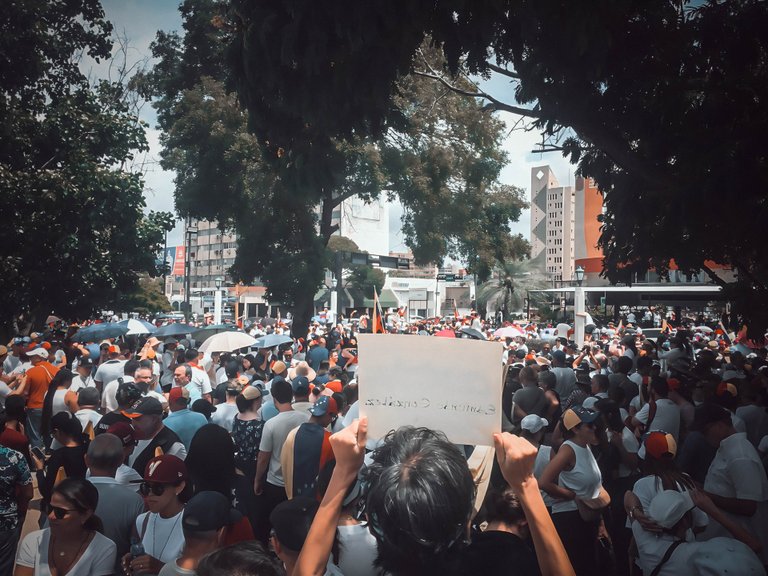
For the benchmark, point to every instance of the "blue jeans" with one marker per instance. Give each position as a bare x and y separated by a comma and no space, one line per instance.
34,424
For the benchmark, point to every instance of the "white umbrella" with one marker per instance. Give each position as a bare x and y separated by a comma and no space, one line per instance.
227,342
509,332
705,329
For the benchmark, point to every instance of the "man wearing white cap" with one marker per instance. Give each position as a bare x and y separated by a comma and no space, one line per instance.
36,382
673,551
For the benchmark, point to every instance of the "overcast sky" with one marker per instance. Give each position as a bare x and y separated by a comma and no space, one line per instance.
139,20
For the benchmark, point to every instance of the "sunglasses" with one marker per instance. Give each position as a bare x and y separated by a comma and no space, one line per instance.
59,513
157,489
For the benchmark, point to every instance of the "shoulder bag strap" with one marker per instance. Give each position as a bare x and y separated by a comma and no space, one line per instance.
667,556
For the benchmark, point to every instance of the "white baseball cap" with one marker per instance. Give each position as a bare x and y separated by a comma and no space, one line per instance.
669,506
42,352
533,423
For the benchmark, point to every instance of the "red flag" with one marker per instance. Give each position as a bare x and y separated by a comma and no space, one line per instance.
377,325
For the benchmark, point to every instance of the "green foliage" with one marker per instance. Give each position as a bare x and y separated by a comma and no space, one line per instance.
361,281
148,297
278,171
71,215
508,287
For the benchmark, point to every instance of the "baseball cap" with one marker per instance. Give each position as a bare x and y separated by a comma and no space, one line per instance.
127,392
178,393
558,355
533,423
300,385
169,341
324,405
144,406
576,415
727,388
202,406
208,511
3,350
165,469
124,431
659,446
590,402
669,506
251,392
42,352
85,362
279,367
113,349
291,521
709,413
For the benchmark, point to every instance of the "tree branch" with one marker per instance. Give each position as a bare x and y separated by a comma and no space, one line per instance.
503,71
712,276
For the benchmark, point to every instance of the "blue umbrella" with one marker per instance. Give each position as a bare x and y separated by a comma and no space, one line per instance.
98,332
271,340
175,329
202,334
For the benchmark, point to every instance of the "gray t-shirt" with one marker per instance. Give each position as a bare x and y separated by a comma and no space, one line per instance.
118,508
273,437
109,370
531,400
224,415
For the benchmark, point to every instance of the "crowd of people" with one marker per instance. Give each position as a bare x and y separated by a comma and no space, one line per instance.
623,455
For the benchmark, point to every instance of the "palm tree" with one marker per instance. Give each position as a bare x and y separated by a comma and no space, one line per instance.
507,288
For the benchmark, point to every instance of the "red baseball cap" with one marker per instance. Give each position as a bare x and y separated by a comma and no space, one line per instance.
177,393
124,431
660,445
165,469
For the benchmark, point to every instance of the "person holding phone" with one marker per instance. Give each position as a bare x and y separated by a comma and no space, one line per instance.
159,531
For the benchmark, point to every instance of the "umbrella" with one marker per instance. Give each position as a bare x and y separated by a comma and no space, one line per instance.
137,327
509,332
52,319
268,321
473,333
447,333
98,332
271,340
175,329
205,333
227,342
705,329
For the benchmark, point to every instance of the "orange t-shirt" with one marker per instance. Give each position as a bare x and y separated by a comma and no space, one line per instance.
38,378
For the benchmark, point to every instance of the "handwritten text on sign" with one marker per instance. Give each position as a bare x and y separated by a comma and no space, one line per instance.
452,385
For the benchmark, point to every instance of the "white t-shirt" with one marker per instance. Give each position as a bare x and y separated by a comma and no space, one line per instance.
79,382
667,417
10,363
109,370
737,472
58,402
631,445
358,550
163,538
273,437
86,415
98,559
224,415
201,380
108,401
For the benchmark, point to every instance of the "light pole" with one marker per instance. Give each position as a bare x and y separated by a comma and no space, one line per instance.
217,301
334,300
579,308
190,231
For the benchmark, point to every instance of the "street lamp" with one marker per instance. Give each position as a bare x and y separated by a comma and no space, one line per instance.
217,300
579,275
334,299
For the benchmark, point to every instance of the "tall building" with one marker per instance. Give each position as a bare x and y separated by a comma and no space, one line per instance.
366,224
552,224
589,207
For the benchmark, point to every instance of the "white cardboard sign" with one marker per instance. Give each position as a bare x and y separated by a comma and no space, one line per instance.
451,385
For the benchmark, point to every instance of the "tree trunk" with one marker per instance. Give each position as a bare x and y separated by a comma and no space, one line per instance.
303,311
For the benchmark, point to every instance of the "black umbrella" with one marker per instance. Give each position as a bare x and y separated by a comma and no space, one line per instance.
176,329
473,333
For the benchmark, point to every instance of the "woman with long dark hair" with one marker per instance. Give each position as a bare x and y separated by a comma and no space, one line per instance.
246,434
54,401
72,544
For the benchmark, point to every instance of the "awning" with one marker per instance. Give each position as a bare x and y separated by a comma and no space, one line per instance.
387,299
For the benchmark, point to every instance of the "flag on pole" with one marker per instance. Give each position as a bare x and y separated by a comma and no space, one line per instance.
377,325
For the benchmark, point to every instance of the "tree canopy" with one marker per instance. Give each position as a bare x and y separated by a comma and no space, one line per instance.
71,213
661,102
277,180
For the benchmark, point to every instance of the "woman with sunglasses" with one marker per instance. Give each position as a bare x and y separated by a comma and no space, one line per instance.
159,531
573,479
72,544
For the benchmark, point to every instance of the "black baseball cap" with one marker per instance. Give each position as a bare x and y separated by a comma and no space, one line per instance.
291,521
144,406
209,511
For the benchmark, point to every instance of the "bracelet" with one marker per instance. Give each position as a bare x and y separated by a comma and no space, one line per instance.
632,511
